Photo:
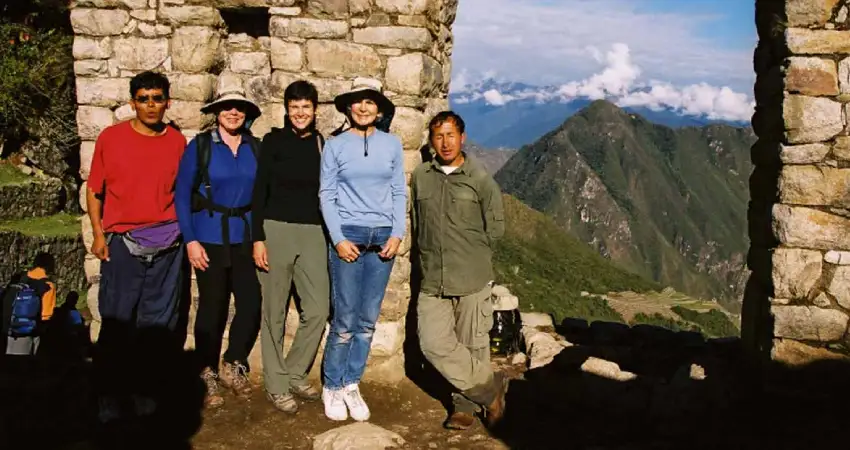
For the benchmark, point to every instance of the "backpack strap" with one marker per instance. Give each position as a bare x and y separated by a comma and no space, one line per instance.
203,142
320,142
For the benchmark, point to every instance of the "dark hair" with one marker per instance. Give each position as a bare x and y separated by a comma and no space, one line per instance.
45,261
149,80
301,90
443,117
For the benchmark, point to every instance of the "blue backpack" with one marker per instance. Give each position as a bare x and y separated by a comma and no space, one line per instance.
25,314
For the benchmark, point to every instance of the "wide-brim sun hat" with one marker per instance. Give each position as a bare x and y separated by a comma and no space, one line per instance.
365,88
235,95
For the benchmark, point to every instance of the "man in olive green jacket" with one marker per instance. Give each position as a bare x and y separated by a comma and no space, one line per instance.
456,217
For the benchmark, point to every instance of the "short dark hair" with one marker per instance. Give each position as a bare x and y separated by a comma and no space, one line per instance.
149,80
443,117
301,90
45,261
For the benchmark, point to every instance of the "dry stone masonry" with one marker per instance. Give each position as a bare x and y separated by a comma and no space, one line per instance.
406,44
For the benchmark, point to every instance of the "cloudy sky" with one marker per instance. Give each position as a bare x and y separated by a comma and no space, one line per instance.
695,55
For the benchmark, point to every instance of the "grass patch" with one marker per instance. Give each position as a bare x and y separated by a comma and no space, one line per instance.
61,224
9,174
658,320
713,323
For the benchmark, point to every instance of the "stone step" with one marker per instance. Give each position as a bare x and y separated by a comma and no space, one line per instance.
31,197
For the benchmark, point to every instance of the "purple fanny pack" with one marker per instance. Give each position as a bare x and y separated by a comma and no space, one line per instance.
160,235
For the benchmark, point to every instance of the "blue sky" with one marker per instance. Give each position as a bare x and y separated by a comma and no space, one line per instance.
553,42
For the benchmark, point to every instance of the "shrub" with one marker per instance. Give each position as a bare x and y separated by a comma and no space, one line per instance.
713,323
658,320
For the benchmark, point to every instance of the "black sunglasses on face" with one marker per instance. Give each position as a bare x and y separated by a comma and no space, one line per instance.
241,107
158,99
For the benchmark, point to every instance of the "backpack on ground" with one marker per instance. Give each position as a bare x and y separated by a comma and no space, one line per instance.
25,311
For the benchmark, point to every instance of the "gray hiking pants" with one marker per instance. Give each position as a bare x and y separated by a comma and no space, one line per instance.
26,345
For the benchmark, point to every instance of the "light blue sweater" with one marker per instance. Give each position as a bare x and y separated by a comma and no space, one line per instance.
363,190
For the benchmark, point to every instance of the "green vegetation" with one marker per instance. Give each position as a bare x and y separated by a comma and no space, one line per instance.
57,225
11,175
713,323
659,320
548,269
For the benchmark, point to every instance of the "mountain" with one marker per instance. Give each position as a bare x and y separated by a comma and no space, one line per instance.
516,114
668,204
491,158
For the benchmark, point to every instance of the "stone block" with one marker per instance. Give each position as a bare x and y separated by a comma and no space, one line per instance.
133,4
150,30
342,58
194,49
841,148
804,13
92,303
413,21
802,41
124,112
359,6
328,8
91,68
229,81
837,258
811,76
187,115
814,185
81,197
409,125
308,28
844,75
286,55
803,154
99,22
85,47
794,353
91,120
398,37
329,88
798,226
412,159
358,436
190,15
795,272
91,265
86,156
272,117
407,7
285,11
242,42
811,119
135,53
192,87
144,15
385,370
414,73
808,323
839,286
106,92
279,26
388,338
250,63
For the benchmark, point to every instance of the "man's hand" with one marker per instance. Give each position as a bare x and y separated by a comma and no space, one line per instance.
390,248
347,251
99,247
261,256
197,256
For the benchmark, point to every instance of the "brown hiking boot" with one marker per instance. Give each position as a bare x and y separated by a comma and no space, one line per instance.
460,421
235,376
306,392
213,399
496,409
283,402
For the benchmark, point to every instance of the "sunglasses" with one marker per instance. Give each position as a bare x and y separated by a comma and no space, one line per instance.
239,106
158,99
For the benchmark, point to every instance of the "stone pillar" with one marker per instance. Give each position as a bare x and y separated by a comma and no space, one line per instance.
798,298
406,44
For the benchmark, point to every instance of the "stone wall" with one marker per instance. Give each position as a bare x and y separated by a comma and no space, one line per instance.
798,301
404,43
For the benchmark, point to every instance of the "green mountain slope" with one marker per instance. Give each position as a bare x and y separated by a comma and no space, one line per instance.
668,204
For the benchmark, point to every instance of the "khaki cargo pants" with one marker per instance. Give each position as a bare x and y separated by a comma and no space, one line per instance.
454,333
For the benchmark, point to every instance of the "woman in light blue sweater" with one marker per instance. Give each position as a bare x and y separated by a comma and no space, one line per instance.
363,199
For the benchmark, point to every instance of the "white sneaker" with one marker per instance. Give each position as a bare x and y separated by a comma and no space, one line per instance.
334,404
356,405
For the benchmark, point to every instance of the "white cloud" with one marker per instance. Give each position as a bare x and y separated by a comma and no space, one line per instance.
493,97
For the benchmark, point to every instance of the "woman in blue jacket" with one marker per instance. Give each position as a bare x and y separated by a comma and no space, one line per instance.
213,192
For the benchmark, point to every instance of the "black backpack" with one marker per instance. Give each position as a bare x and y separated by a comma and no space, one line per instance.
202,173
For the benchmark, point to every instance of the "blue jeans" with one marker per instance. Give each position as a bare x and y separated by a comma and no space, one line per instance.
357,290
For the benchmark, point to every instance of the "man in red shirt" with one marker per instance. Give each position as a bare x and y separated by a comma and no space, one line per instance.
130,201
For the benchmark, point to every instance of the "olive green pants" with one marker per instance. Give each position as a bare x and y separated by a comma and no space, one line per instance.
454,333
297,253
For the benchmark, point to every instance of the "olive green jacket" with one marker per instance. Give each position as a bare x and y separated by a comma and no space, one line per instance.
455,220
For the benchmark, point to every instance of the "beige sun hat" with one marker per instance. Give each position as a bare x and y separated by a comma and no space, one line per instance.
233,95
365,88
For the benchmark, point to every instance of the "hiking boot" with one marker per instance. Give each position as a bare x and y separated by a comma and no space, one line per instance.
306,392
335,408
213,398
283,402
356,405
235,376
459,421
496,409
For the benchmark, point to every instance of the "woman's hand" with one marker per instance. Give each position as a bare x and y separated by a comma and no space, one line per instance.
347,251
197,256
390,248
261,256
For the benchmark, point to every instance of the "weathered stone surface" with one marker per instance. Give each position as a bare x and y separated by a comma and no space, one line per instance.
328,8
285,11
542,347
795,272
259,89
91,120
412,159
286,55
92,48
813,185
92,303
811,76
409,125
272,117
279,26
140,54
402,6
92,268
844,75
803,154
190,15
150,30
811,119
414,73
86,155
536,320
839,286
99,22
316,28
803,41
837,258
229,82
187,115
794,353
385,370
342,58
107,92
251,63
413,21
803,13
192,87
399,37
90,68
242,42
194,49
358,436
133,4
798,226
808,323
329,88
606,369
147,15
388,338
821,301
124,112
841,148
329,119
359,6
